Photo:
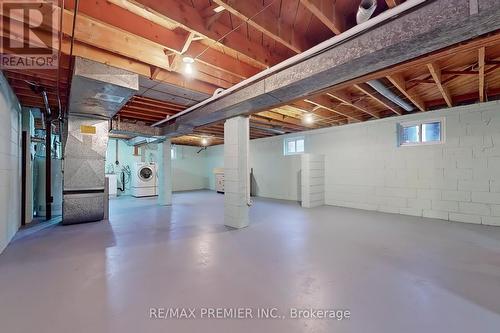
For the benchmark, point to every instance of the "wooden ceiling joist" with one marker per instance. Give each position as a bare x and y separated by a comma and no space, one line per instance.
291,122
190,19
326,12
321,112
325,102
369,91
172,40
393,3
259,16
481,63
135,47
399,82
360,105
438,79
150,103
110,58
132,107
140,116
187,42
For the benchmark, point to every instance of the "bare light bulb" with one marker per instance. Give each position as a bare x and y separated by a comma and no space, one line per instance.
188,65
308,118
188,69
204,141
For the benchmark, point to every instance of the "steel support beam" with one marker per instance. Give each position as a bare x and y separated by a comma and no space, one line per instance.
434,26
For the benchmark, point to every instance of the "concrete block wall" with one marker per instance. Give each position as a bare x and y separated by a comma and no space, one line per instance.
275,175
458,180
10,163
312,180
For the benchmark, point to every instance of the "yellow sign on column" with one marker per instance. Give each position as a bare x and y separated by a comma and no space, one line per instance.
86,129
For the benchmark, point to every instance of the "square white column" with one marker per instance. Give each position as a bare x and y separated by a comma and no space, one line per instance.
236,172
312,180
165,174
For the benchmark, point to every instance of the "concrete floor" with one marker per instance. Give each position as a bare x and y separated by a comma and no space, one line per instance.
394,273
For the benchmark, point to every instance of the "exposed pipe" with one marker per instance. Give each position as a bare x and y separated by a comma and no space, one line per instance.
48,157
365,10
48,169
72,43
117,161
24,162
59,58
46,103
267,129
48,148
387,93
318,49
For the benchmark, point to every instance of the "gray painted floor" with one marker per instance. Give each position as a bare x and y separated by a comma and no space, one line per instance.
394,273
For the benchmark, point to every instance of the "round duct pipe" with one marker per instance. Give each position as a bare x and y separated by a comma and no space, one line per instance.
366,10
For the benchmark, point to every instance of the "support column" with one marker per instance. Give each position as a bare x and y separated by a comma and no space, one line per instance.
236,172
165,174
313,180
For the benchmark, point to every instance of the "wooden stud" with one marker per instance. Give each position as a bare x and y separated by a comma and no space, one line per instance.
399,82
366,89
346,99
324,102
190,19
437,77
266,22
187,42
154,72
392,3
481,63
325,11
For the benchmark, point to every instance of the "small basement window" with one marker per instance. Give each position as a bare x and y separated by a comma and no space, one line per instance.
294,146
421,133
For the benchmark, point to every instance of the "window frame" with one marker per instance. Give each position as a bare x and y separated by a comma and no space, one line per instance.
420,123
294,139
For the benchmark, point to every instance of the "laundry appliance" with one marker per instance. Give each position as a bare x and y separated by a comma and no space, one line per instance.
144,180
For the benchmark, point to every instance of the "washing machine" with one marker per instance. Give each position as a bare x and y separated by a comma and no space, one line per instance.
144,180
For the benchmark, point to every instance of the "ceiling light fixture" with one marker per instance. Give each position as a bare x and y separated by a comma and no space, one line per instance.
218,9
204,141
308,118
188,65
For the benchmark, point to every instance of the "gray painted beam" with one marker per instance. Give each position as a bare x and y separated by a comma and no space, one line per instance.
133,129
431,27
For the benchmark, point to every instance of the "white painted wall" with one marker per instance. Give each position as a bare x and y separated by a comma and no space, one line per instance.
312,180
189,169
10,163
458,180
189,172
275,175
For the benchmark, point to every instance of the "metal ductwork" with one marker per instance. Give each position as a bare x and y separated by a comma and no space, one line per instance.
141,140
387,93
268,129
365,12
97,93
